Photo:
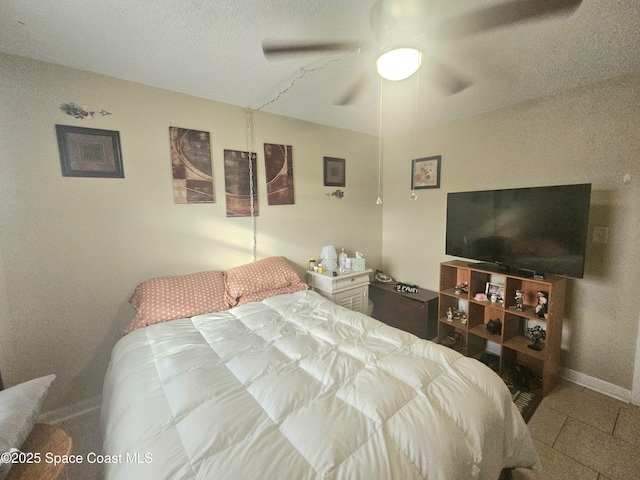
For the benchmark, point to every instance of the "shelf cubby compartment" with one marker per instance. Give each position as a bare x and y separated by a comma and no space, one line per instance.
476,345
445,329
480,316
509,358
452,276
476,315
530,287
493,311
455,302
478,282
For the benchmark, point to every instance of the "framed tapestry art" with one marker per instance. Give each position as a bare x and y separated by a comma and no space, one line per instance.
425,173
238,170
191,165
89,152
278,163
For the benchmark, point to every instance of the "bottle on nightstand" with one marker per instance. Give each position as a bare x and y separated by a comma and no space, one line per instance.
342,261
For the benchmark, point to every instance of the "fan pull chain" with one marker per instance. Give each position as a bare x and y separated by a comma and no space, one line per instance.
254,251
413,197
379,199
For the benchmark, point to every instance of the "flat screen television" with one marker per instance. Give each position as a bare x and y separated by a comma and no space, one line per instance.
522,231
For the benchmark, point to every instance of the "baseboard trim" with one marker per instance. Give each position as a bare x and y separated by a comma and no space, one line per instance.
581,379
71,411
596,384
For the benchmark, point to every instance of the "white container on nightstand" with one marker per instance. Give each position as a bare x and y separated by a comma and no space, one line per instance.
350,290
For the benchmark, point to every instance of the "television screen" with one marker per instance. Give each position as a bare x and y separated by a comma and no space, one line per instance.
523,230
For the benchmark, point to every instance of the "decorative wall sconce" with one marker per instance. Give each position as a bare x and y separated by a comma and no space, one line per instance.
336,193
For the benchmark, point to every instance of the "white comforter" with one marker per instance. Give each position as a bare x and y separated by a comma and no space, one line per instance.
296,387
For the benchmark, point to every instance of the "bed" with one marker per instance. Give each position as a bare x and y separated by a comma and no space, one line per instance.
291,385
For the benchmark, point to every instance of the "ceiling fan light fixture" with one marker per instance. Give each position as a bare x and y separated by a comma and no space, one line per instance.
399,63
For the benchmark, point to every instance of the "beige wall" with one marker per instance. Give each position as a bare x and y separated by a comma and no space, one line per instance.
72,249
589,135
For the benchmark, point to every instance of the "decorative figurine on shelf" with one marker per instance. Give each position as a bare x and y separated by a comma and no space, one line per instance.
463,319
449,314
462,288
494,327
519,300
537,334
541,307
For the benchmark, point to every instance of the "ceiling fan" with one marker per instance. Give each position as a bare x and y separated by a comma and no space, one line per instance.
404,30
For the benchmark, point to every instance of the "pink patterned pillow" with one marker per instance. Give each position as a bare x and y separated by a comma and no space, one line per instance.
167,298
262,279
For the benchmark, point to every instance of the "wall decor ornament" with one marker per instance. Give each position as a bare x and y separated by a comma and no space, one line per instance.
191,166
494,326
278,164
425,172
538,335
81,113
334,172
240,181
336,193
89,152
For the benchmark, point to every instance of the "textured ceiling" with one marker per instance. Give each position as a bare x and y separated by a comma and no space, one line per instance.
212,49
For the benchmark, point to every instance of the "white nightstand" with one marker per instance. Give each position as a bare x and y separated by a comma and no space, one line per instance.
350,290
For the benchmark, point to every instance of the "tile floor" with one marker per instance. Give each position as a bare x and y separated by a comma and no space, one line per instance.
579,434
583,435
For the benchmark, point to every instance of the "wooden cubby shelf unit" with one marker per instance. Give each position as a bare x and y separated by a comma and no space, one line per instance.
512,341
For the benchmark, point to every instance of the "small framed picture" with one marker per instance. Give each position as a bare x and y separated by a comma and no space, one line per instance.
89,152
334,172
494,292
425,172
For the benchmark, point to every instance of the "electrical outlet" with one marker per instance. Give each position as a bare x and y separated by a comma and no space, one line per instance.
600,235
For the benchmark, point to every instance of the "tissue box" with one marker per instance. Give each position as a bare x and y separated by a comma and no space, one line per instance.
357,264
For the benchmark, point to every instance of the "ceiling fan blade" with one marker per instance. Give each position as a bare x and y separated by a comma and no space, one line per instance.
445,78
502,15
275,48
354,91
